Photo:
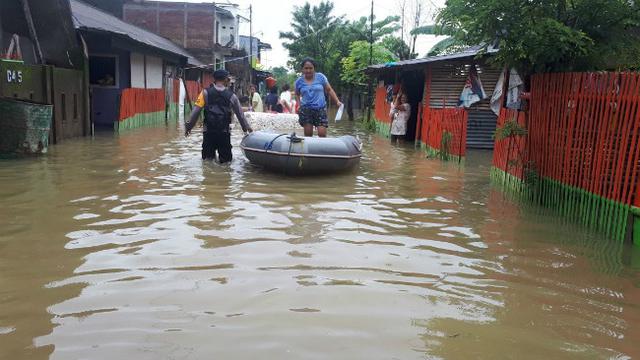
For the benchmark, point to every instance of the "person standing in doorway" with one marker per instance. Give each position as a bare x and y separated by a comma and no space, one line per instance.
400,112
256,99
310,89
218,103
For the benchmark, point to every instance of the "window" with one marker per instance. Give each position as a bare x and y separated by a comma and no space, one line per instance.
103,70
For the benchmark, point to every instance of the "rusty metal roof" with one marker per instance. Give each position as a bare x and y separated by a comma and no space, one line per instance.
87,17
467,53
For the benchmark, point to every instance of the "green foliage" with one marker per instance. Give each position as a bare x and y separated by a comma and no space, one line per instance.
353,66
314,33
369,125
317,33
283,76
445,146
398,48
550,35
449,45
511,128
434,29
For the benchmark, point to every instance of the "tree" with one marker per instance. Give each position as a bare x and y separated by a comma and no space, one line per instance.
448,45
317,33
354,65
314,33
398,48
550,35
283,76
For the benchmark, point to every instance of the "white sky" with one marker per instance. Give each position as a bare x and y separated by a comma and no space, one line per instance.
271,17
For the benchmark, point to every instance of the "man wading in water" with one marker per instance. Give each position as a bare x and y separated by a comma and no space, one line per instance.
218,102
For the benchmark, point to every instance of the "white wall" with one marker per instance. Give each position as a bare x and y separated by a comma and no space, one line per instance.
154,72
137,70
228,28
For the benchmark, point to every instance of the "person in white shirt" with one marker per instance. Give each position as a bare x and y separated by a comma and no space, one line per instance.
294,103
285,99
256,99
400,112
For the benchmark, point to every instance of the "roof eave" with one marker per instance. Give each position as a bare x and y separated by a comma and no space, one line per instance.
184,59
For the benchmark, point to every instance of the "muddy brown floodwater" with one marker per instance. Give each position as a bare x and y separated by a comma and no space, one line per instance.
129,247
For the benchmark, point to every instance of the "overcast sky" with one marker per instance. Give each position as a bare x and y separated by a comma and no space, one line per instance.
271,17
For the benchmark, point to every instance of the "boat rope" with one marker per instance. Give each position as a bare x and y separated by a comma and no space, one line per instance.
292,139
267,146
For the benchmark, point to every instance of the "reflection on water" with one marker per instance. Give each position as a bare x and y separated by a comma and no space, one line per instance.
129,247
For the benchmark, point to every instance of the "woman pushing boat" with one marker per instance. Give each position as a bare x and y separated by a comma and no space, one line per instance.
310,89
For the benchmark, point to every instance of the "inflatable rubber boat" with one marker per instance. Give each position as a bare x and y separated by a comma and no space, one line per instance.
293,155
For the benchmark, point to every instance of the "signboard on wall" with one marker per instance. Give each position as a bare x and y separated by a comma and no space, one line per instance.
21,81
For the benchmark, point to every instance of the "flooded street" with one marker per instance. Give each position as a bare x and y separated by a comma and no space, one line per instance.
129,247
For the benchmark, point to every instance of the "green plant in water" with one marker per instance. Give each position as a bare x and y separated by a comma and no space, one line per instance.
511,128
369,125
445,146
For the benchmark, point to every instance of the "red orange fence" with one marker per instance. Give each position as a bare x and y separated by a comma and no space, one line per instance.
444,131
583,146
592,121
382,106
510,153
135,101
194,89
176,90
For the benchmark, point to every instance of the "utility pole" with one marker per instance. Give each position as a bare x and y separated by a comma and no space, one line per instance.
370,91
250,44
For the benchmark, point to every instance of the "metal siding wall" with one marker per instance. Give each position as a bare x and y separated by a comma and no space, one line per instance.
482,121
447,82
448,79
480,129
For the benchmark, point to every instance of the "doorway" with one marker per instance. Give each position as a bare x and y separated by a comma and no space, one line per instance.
413,83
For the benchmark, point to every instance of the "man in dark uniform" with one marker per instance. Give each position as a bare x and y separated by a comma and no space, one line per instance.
218,103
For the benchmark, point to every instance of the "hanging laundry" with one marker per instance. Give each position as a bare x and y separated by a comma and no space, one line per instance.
516,88
473,90
496,98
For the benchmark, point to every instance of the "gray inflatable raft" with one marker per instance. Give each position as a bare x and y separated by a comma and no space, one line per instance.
295,155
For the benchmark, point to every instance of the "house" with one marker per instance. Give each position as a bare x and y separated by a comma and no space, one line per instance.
132,72
254,47
208,31
433,86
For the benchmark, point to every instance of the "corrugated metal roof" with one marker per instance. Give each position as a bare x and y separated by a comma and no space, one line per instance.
90,18
469,52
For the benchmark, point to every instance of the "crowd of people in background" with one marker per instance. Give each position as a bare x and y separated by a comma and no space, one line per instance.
274,102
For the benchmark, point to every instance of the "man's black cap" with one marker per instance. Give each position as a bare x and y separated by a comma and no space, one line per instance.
220,74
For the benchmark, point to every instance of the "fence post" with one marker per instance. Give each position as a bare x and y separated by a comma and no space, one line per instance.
635,214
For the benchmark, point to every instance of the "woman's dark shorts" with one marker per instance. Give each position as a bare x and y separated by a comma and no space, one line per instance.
315,117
